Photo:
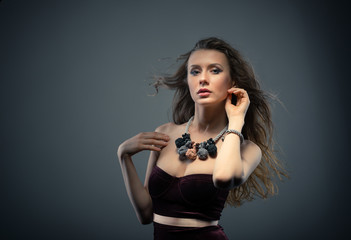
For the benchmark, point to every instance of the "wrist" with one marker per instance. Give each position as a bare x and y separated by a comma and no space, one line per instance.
120,152
236,123
236,133
123,158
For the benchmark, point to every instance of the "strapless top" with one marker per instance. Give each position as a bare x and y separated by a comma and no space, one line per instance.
191,196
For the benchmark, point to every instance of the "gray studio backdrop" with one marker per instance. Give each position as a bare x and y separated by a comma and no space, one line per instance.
75,83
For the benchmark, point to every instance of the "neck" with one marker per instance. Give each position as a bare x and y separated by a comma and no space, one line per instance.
211,119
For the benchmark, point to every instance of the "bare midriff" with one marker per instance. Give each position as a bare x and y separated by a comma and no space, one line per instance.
183,222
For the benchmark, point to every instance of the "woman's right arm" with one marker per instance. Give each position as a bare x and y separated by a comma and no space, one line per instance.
137,192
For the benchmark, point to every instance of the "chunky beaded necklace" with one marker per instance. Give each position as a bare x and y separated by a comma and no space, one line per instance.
188,149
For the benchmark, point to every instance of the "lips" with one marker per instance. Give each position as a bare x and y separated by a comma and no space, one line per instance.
203,90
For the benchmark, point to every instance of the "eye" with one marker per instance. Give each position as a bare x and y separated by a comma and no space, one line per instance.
216,70
194,72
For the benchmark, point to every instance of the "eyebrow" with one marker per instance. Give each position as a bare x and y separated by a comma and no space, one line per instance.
211,65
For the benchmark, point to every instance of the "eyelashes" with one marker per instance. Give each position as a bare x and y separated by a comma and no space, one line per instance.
195,72
217,71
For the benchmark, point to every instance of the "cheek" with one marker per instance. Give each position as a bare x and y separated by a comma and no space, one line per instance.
191,86
225,83
229,83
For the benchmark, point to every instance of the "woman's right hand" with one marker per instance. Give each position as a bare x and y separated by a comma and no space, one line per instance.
153,141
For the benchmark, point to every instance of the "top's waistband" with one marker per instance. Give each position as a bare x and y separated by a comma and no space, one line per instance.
183,222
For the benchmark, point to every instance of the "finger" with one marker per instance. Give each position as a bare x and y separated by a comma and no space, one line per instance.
151,148
239,90
235,88
161,136
155,142
231,90
156,135
241,93
229,98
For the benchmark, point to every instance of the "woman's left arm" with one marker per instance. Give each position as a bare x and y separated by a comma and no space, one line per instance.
235,162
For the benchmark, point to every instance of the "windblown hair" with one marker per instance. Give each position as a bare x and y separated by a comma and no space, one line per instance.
258,125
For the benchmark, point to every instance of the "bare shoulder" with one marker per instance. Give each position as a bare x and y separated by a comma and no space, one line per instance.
164,127
169,128
251,144
251,148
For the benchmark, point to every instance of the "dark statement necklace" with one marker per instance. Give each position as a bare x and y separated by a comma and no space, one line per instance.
188,149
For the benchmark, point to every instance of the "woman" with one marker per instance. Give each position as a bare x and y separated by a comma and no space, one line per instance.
218,149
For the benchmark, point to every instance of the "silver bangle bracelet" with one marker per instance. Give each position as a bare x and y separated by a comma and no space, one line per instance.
235,132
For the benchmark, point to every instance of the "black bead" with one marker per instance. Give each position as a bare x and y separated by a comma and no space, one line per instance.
212,150
186,137
179,142
210,141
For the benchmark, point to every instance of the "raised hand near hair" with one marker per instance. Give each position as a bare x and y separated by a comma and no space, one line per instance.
143,141
242,104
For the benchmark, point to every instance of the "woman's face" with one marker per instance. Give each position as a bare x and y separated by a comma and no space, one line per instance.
208,76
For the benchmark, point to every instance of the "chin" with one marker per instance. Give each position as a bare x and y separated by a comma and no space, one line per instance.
208,102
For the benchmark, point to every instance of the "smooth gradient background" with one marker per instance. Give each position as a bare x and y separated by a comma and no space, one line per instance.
75,83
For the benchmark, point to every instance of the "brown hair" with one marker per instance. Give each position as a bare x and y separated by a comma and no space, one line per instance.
258,125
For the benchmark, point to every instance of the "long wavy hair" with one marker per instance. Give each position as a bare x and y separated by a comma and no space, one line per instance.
258,125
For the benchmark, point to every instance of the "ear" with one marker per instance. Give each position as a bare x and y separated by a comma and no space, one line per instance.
233,82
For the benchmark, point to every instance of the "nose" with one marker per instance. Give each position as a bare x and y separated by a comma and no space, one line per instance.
203,79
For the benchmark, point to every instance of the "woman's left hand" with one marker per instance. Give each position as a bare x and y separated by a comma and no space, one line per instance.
242,103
